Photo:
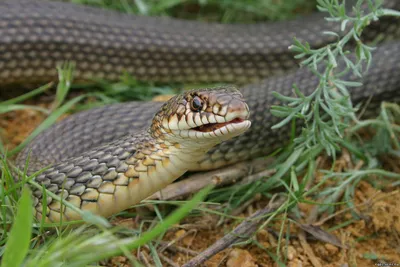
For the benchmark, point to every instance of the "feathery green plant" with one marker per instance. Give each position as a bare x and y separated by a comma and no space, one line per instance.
326,114
328,111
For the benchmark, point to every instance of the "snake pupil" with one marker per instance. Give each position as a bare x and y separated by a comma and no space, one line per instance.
196,104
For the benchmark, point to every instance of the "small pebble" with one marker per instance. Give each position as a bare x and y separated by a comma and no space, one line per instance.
240,257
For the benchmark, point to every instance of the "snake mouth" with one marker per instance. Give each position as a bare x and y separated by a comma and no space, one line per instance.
211,127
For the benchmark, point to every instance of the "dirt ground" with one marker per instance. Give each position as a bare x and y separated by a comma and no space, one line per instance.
373,239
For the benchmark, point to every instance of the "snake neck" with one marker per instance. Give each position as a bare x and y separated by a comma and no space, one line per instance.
116,176
174,156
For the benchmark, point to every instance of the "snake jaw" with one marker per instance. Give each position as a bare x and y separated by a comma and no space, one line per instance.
221,131
219,114
212,127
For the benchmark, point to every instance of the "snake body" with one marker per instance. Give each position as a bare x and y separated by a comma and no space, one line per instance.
36,35
112,177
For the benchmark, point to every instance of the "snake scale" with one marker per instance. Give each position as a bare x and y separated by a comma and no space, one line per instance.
109,158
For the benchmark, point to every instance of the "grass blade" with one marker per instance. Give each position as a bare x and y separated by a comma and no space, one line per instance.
107,250
27,95
18,242
13,107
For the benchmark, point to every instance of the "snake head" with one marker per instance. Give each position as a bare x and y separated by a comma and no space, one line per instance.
202,115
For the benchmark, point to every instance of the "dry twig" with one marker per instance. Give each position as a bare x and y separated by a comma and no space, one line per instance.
242,232
220,177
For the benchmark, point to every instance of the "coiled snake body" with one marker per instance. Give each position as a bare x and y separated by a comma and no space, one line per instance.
102,159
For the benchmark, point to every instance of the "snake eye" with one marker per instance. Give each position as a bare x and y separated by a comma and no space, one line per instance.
196,104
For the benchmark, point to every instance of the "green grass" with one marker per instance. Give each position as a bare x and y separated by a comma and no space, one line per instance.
246,11
38,244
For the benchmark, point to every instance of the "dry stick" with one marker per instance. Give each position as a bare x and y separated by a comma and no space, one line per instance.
220,177
302,235
242,232
189,226
167,260
242,207
308,250
175,248
303,241
172,242
257,176
143,258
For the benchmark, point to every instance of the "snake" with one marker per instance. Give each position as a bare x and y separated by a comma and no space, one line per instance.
107,159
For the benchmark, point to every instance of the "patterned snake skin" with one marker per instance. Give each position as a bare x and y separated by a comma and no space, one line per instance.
37,34
113,177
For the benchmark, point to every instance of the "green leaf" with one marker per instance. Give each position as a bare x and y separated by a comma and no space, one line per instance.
285,166
283,97
279,111
44,208
89,217
65,77
293,179
104,250
331,57
27,95
18,241
142,7
13,107
287,119
390,12
331,33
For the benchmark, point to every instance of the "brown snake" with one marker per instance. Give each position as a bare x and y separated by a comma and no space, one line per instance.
102,160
